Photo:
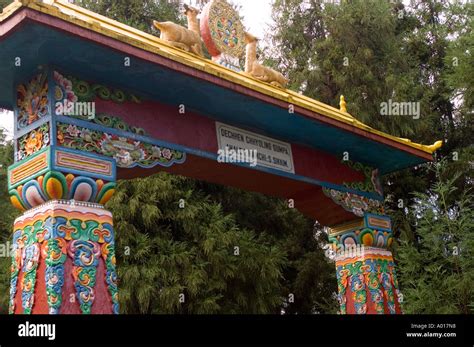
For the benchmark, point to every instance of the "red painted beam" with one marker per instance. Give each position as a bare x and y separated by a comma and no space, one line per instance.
193,130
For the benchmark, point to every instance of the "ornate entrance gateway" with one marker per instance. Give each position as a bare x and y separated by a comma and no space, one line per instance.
96,101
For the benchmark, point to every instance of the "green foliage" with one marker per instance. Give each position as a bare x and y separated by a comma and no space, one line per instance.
436,270
461,60
136,13
4,3
7,216
448,116
350,49
372,51
165,250
307,273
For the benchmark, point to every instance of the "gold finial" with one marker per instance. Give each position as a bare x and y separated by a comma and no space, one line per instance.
435,146
342,104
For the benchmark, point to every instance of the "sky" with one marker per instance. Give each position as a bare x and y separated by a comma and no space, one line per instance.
257,16
6,121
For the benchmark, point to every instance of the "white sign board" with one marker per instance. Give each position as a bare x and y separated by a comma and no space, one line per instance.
270,153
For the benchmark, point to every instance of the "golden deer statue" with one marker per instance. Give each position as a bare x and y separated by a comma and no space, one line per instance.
178,36
257,70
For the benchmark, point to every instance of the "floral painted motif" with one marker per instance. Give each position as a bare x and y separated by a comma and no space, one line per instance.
15,270
363,236
73,89
359,294
32,101
375,276
63,88
372,283
108,253
55,185
371,182
342,281
385,278
85,240
33,141
85,259
54,253
357,204
126,151
30,264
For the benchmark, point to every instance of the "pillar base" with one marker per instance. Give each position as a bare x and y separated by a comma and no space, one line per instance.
367,281
64,260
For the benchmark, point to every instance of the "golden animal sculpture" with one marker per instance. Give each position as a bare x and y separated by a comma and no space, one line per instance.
342,104
257,70
178,36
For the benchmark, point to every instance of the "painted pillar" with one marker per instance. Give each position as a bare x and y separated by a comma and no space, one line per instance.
63,244
365,270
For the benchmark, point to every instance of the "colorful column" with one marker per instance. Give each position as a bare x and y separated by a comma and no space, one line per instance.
365,269
63,244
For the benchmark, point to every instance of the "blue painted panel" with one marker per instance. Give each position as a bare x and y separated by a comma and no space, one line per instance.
386,218
111,161
36,174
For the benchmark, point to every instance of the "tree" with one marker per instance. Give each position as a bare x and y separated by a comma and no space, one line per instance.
138,14
434,33
436,270
178,252
373,51
7,216
4,3
308,283
460,57
350,49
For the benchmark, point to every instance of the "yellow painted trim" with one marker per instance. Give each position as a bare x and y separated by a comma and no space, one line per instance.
342,228
10,9
124,33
